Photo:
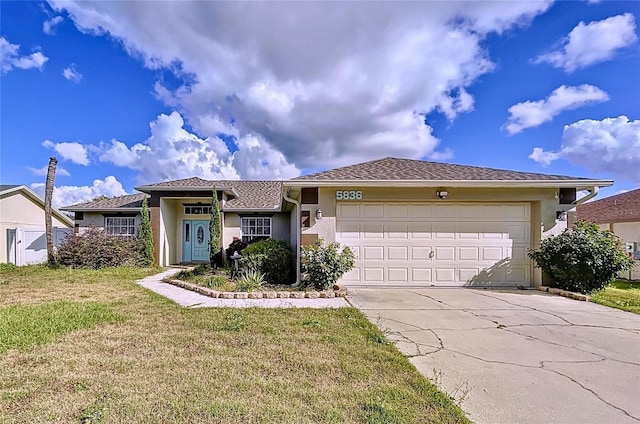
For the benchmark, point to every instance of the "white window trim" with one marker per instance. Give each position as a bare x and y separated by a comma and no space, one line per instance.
124,222
244,224
206,209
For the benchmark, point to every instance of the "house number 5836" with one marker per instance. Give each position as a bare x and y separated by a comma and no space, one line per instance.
348,195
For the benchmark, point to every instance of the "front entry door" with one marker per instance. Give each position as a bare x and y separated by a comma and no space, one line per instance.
195,241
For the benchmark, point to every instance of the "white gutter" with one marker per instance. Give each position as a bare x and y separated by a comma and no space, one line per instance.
298,241
593,192
577,183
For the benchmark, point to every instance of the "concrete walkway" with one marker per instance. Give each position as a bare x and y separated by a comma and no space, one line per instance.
519,356
190,299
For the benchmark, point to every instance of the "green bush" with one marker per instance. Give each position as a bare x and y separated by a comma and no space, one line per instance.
324,265
250,279
94,248
582,259
271,257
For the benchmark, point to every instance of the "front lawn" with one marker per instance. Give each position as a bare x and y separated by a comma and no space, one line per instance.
620,294
92,346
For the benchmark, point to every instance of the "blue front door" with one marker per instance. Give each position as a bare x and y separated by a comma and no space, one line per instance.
195,241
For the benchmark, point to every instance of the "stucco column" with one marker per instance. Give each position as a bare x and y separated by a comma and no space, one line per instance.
154,213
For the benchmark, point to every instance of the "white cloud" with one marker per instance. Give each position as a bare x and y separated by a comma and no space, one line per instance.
543,157
72,74
10,58
48,26
610,146
592,43
74,152
42,172
70,195
320,83
533,113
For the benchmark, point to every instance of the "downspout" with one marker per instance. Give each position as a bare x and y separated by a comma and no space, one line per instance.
297,203
593,192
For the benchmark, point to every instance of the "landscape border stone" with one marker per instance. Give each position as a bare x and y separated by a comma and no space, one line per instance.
338,291
565,293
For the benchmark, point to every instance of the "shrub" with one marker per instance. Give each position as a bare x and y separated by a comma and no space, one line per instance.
236,245
145,236
250,279
324,265
94,248
584,258
271,257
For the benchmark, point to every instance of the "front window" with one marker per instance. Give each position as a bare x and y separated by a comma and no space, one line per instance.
254,228
120,226
197,209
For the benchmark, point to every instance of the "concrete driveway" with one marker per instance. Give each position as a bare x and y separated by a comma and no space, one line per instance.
516,356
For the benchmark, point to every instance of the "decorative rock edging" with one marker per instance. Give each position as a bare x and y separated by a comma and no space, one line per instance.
338,291
565,293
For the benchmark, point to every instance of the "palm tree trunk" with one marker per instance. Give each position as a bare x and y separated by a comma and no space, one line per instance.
48,193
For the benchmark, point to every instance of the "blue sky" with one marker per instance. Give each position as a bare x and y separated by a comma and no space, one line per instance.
127,93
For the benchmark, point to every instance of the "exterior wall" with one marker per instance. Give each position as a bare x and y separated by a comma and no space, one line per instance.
542,201
629,232
280,226
96,220
18,210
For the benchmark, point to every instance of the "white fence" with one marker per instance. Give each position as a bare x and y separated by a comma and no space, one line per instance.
27,246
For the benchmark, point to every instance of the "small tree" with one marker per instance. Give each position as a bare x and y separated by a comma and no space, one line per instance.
584,258
145,236
324,265
215,229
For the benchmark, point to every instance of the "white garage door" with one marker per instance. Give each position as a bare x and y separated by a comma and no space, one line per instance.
435,244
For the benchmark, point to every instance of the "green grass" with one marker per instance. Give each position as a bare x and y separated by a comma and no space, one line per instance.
620,294
143,358
25,326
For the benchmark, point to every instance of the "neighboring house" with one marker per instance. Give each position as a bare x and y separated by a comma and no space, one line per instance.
409,222
621,215
22,225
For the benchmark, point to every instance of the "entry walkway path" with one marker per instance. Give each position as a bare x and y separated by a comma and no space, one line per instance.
190,299
525,356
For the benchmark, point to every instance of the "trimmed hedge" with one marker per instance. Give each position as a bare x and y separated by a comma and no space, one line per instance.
271,257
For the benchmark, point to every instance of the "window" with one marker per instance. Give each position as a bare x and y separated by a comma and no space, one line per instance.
197,209
309,195
255,228
120,226
305,219
78,216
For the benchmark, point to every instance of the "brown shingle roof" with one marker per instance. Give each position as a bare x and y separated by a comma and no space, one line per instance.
127,201
623,207
251,195
408,169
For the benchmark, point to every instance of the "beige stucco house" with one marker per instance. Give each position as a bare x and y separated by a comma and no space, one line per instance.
621,215
23,210
409,222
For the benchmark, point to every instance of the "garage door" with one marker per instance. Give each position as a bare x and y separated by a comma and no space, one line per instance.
431,244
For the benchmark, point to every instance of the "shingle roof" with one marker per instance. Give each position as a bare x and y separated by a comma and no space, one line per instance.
5,187
252,195
127,201
407,169
623,207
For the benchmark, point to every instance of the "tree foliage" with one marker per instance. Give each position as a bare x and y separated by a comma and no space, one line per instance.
583,258
215,230
273,258
145,236
323,266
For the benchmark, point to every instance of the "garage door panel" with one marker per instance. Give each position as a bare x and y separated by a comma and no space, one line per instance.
373,211
421,275
348,210
397,253
445,253
397,275
419,211
436,244
373,275
397,231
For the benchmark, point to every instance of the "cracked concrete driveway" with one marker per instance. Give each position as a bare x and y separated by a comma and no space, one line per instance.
523,356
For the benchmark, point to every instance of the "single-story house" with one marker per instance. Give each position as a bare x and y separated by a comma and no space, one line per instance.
621,215
22,225
409,222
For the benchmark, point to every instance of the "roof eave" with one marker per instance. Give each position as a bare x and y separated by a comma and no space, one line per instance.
149,189
577,183
98,210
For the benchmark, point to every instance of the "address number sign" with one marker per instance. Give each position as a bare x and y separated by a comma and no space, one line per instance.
348,195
